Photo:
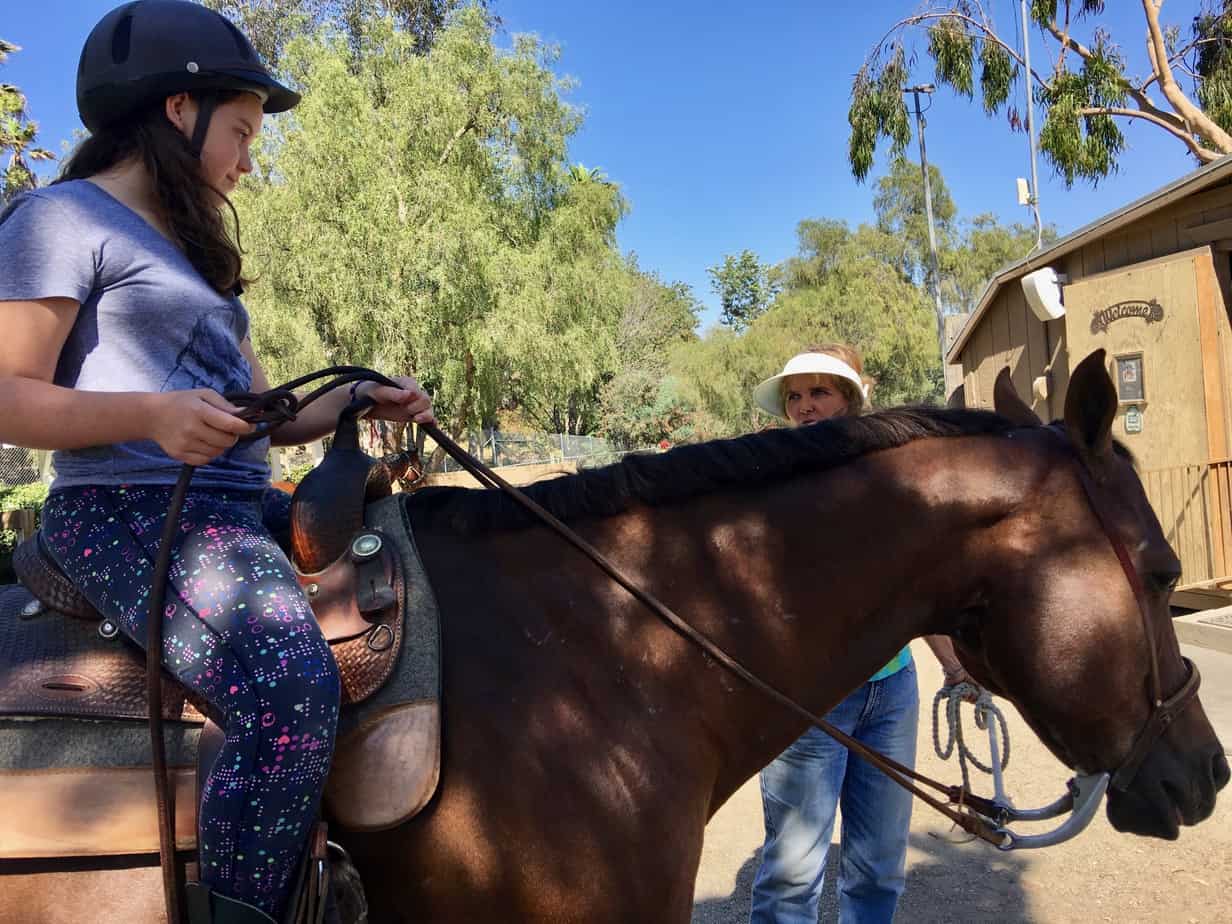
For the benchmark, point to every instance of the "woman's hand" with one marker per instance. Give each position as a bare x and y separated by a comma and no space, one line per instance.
957,674
410,402
196,426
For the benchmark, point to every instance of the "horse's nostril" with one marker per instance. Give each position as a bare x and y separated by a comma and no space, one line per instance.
1219,770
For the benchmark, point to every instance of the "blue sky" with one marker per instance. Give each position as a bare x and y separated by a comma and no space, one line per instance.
724,123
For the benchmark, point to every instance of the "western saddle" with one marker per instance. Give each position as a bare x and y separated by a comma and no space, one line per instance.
355,559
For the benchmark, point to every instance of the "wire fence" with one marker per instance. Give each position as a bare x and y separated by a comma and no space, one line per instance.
499,449
496,448
22,466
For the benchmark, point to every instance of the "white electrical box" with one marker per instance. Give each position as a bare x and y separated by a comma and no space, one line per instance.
1043,291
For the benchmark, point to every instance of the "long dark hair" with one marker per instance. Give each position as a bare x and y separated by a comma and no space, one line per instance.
188,204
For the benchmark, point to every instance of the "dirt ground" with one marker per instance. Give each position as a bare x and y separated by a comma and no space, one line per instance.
1099,876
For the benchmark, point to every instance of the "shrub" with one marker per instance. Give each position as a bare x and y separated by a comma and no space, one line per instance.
8,542
23,496
299,472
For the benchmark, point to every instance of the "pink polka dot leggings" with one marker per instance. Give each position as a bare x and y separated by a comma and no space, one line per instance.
240,633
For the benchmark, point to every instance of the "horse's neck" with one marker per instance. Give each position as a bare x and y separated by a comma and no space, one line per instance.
813,585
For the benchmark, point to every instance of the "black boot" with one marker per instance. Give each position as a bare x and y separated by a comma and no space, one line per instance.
206,907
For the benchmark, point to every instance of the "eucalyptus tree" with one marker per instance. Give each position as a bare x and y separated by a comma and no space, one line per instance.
1087,93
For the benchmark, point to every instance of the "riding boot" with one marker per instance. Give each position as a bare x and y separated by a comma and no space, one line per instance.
206,907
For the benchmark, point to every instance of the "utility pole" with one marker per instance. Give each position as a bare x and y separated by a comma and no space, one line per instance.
935,271
1026,56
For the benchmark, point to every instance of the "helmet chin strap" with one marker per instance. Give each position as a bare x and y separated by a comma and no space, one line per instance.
206,103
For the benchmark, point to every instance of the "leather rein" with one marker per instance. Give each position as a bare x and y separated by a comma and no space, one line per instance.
983,818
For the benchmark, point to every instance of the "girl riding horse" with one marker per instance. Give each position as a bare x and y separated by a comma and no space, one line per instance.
119,297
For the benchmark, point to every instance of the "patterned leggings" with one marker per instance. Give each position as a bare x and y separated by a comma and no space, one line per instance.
239,632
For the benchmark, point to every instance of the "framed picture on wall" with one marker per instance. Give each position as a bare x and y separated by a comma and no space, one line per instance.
1130,387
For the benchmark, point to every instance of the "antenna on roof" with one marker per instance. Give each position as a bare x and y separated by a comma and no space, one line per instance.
1033,191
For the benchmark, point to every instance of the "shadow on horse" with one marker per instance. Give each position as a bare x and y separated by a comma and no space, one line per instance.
586,744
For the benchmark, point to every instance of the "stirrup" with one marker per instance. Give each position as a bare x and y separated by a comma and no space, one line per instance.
208,907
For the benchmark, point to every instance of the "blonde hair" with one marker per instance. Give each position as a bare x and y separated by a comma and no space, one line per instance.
856,402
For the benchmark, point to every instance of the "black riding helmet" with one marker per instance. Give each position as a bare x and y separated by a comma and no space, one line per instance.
148,50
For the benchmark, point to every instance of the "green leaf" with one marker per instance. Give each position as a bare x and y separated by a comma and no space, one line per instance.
998,73
953,50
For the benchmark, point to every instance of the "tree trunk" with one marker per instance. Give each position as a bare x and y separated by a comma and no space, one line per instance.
1197,120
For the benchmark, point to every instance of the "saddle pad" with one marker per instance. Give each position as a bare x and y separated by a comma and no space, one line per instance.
71,768
375,782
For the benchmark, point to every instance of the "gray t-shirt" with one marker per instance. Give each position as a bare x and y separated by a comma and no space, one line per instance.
148,322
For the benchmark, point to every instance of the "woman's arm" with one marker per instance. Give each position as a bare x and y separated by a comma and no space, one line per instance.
191,426
943,648
319,419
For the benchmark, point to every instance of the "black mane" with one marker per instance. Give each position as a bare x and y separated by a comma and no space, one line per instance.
702,468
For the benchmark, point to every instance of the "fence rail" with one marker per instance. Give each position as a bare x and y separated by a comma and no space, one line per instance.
1193,504
498,449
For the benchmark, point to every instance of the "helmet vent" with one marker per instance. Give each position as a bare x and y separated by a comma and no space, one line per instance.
121,40
241,43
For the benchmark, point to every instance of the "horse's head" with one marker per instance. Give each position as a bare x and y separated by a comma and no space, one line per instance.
1055,623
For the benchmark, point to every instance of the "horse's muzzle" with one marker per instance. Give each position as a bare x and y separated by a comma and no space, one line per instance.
1170,791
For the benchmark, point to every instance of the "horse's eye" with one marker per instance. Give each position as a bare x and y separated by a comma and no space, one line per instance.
1164,582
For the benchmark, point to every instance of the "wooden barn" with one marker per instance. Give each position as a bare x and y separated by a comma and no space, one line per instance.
1151,283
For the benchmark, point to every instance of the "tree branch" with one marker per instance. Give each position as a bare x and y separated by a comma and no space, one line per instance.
921,18
457,136
1197,120
1176,56
1206,155
1137,94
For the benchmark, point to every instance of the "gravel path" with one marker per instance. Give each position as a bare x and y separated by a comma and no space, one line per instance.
1099,876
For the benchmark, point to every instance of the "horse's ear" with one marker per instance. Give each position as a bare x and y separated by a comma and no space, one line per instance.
1090,406
1006,402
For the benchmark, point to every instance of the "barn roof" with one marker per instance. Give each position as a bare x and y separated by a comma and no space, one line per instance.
1200,179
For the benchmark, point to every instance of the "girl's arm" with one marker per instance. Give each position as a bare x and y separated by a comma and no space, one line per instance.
320,418
191,426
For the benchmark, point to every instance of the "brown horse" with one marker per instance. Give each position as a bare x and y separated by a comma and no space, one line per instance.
586,744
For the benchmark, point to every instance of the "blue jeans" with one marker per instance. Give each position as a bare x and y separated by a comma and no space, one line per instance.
800,790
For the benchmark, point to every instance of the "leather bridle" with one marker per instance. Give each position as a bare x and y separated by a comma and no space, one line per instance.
981,817
1163,711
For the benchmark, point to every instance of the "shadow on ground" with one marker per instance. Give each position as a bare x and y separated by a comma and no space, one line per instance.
946,882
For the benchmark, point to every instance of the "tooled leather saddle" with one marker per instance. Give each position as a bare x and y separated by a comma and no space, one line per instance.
72,689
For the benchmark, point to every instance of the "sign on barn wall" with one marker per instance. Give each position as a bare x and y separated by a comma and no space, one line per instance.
1150,311
1146,317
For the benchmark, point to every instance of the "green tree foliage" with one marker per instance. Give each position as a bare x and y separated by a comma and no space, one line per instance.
271,24
417,211
1085,99
17,136
842,285
643,403
898,204
969,252
744,287
986,247
861,286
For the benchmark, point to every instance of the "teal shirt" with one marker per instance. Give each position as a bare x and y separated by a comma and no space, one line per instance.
900,660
